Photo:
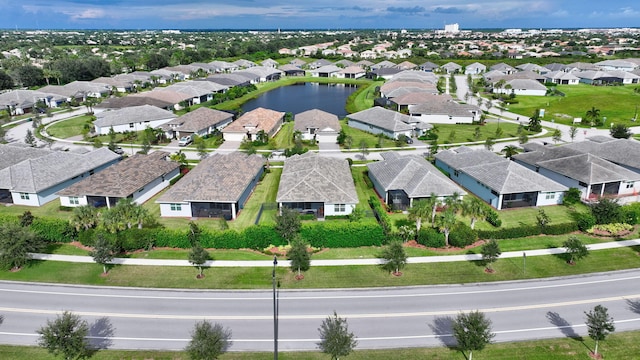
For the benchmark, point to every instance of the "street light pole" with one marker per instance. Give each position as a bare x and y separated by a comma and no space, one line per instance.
275,310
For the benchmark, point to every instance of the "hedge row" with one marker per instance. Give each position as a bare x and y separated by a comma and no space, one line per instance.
326,234
380,214
529,230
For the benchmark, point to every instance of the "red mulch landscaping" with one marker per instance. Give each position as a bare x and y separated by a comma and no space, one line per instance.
414,244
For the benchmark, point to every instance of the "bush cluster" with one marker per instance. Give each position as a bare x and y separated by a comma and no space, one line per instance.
462,235
493,218
430,237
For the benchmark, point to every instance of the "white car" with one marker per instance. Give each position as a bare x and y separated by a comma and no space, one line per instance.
185,140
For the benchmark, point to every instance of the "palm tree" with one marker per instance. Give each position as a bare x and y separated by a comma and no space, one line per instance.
475,209
421,209
453,202
446,222
593,115
84,217
509,151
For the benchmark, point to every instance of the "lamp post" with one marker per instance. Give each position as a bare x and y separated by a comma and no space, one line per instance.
275,310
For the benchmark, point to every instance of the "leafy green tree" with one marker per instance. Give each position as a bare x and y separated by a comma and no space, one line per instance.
26,219
208,341
299,256
477,133
599,325
542,218
556,136
488,144
194,233
198,256
6,81
490,253
84,217
421,210
357,214
364,149
406,232
523,138
201,147
112,139
180,158
288,223
572,196
395,257
335,337
66,336
103,252
620,131
472,332
573,132
16,242
575,249
29,139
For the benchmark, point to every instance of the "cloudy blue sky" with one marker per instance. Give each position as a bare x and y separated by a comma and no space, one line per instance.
316,14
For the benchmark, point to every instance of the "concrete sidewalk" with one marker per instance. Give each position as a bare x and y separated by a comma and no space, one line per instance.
342,262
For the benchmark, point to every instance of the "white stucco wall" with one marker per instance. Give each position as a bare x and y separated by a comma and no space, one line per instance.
329,209
165,210
65,201
137,126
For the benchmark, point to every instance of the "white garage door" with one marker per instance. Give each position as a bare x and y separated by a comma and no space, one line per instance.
233,136
327,138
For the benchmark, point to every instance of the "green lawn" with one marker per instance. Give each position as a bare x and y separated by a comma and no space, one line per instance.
362,98
364,192
68,128
461,133
284,139
527,216
617,103
622,345
371,140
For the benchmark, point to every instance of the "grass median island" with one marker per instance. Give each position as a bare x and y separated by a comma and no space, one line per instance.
70,127
622,345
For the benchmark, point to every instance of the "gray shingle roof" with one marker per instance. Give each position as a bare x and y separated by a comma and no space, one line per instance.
498,173
132,114
313,178
37,174
384,119
318,119
124,178
413,174
589,169
200,119
217,178
11,155
446,107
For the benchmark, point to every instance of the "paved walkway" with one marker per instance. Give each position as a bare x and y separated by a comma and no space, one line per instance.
341,262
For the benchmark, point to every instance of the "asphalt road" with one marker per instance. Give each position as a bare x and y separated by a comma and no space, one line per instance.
127,318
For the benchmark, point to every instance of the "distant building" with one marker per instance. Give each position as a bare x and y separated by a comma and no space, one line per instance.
452,28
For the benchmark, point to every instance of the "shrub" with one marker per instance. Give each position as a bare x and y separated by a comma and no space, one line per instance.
571,197
493,218
630,213
380,214
342,234
606,211
462,235
584,221
367,180
560,229
53,230
135,239
259,237
430,237
613,229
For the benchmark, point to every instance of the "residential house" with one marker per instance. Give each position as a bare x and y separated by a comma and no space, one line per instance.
219,186
178,100
351,72
260,74
475,68
532,67
291,70
251,123
37,178
317,185
326,71
607,77
401,103
136,118
243,64
269,63
130,101
525,87
413,86
202,121
378,120
561,78
20,102
441,110
79,90
586,166
503,68
317,125
451,68
138,177
429,66
617,64
401,180
406,65
502,183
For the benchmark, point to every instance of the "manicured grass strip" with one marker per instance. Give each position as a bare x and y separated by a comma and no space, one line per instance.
371,140
68,128
622,345
324,277
462,133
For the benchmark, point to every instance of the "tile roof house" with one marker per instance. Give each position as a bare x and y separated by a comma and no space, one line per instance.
429,66
526,87
129,101
326,71
138,177
251,123
402,102
219,186
202,121
311,183
23,101
317,125
400,180
351,72
597,169
414,86
378,120
498,181
562,78
136,118
475,68
36,179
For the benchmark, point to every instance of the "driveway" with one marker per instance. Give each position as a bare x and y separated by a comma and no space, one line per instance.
328,146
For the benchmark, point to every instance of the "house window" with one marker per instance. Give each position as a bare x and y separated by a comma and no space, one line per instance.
176,207
130,125
550,196
339,208
24,196
73,200
456,173
629,185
